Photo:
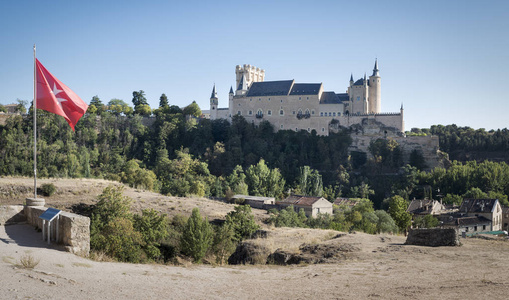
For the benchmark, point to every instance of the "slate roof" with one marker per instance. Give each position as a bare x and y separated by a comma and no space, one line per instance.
231,90
329,98
270,88
359,82
242,84
300,200
305,89
467,221
477,205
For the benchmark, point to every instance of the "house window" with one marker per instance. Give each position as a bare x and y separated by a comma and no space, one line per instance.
466,229
250,112
269,112
281,113
475,228
484,227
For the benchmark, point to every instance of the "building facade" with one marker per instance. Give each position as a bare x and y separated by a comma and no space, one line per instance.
289,105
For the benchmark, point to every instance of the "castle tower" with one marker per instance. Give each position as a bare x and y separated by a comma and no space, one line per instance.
213,104
230,102
251,74
375,101
242,86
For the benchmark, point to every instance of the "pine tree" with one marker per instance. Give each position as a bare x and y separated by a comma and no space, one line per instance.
197,236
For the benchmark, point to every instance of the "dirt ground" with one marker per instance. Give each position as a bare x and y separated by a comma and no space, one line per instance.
376,267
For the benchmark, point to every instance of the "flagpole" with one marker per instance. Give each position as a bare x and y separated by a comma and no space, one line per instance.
34,106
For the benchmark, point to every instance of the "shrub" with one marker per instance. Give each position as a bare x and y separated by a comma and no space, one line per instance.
196,237
27,261
242,222
48,189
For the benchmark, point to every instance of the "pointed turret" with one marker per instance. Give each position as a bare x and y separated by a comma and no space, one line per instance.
375,69
231,90
214,94
242,84
351,77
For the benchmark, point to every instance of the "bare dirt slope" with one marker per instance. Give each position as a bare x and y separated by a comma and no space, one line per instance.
14,191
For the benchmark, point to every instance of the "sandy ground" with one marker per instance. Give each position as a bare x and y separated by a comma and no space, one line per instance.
383,269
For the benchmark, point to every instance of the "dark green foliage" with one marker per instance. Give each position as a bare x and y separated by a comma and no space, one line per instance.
309,182
427,221
224,243
122,235
397,210
197,236
242,222
417,160
48,189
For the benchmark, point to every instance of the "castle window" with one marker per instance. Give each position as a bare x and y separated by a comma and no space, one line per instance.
334,114
239,113
269,112
281,112
313,112
250,99
296,129
250,112
358,98
309,129
259,99
282,126
281,100
239,104
213,107
294,112
339,114
323,129
269,99
299,98
330,114
321,114
307,98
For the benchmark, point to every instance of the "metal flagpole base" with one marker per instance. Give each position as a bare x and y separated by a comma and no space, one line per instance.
35,202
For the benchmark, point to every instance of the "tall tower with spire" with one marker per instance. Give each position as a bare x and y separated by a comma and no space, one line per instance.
213,103
375,93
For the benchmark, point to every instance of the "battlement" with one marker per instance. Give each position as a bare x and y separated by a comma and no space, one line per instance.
251,73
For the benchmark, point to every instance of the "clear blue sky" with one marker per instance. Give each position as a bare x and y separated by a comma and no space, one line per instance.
446,61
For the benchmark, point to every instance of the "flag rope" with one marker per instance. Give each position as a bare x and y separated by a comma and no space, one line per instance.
34,112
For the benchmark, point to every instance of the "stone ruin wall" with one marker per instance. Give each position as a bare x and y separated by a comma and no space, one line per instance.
433,237
74,230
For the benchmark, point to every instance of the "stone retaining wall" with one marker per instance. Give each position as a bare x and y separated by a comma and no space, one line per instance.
73,229
433,237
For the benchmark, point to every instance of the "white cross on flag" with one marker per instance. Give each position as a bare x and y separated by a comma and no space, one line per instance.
56,97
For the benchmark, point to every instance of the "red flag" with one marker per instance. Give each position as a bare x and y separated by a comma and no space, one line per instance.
56,97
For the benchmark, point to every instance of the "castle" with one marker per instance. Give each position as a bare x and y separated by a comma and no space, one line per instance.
306,106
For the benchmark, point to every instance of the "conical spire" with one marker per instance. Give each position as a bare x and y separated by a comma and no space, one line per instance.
375,69
231,89
351,77
214,94
242,84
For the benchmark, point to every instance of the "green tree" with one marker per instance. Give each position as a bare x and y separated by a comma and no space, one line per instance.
224,244
139,98
397,210
241,220
192,110
98,104
153,228
427,221
309,182
262,181
197,236
163,101
385,222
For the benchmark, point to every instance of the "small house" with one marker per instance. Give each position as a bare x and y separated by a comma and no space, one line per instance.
426,207
256,201
469,224
312,206
487,208
345,203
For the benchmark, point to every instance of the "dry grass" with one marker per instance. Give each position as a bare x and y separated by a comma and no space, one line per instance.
27,261
100,256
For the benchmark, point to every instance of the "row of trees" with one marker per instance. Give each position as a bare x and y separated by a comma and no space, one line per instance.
151,236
